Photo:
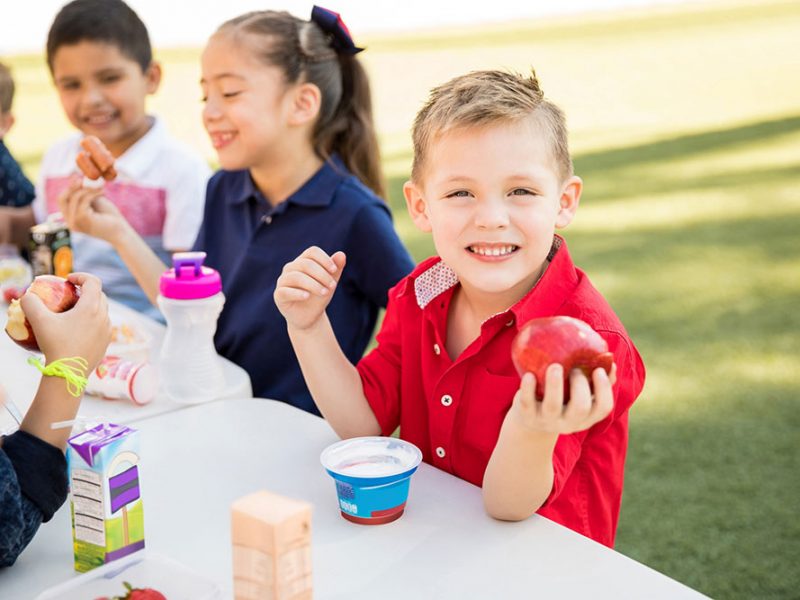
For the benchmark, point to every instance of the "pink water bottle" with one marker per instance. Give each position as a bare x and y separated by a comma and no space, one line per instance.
191,300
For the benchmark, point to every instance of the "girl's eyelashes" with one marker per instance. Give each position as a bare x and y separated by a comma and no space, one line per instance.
522,192
224,95
458,194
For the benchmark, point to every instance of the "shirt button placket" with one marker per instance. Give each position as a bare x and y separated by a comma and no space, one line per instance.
447,400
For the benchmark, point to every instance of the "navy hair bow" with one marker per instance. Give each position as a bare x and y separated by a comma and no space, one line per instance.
332,24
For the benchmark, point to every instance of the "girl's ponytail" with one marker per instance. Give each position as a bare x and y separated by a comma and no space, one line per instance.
350,132
321,51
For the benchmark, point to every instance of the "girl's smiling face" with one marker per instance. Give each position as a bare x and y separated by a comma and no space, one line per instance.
246,104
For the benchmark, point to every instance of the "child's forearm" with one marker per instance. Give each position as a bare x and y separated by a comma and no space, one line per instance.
15,224
145,266
519,475
333,381
53,403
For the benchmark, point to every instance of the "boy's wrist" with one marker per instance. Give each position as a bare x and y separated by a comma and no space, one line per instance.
515,429
122,234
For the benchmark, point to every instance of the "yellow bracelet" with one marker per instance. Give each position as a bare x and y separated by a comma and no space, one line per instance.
72,369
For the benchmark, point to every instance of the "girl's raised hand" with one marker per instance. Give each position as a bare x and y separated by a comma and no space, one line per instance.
85,209
306,286
551,415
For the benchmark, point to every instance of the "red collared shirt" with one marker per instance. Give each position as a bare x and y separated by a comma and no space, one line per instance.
453,410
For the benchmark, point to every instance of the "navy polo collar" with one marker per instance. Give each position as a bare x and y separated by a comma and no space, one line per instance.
317,191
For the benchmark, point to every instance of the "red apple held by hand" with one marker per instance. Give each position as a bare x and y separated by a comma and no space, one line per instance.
58,295
564,340
12,292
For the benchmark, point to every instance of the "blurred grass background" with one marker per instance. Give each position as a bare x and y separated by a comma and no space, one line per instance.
685,125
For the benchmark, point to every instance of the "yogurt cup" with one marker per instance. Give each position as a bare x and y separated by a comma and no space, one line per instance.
372,476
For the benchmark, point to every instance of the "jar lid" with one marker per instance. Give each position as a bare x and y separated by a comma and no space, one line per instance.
188,279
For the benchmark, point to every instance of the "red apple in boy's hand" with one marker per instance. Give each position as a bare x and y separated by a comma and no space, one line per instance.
58,295
564,340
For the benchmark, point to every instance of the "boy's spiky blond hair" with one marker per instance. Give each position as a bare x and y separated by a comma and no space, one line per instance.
484,98
6,89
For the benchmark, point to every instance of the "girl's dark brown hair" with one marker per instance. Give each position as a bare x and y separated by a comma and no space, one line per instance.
304,53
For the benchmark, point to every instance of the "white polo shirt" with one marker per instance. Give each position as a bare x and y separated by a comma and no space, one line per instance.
160,189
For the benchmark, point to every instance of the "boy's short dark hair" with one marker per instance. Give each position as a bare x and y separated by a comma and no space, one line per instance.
109,21
6,89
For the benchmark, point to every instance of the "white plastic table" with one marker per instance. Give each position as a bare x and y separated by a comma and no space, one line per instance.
196,462
21,380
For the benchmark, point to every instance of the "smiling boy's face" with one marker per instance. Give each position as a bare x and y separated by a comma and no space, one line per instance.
492,198
103,92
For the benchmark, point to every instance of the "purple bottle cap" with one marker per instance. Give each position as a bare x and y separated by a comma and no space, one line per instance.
188,279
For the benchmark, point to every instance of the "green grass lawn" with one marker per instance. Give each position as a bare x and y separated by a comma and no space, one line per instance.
685,127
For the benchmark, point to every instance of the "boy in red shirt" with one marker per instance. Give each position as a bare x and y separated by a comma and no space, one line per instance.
492,180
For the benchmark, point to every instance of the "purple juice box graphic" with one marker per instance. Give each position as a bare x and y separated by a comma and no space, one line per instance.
105,495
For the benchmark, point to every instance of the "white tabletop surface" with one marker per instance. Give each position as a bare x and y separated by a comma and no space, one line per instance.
194,463
21,379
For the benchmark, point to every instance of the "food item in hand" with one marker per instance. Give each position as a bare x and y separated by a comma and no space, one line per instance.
564,340
95,161
58,295
86,164
12,292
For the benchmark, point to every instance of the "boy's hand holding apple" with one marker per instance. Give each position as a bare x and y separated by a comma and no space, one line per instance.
306,286
567,376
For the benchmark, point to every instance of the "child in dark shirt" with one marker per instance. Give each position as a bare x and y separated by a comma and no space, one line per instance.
15,188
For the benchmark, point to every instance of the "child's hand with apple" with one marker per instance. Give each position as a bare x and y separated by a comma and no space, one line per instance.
306,286
567,376
62,318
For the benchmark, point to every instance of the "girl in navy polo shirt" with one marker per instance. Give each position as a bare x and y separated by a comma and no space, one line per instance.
288,110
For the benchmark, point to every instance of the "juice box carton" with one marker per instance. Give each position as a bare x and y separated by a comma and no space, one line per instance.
105,495
271,547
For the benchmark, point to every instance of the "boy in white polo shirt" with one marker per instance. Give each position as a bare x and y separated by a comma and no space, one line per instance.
100,58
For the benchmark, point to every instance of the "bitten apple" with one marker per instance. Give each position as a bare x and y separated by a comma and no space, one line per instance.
58,295
564,340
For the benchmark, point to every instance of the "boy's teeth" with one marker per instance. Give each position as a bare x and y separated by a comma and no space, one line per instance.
493,251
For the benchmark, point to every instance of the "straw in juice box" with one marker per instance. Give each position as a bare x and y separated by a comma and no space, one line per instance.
105,495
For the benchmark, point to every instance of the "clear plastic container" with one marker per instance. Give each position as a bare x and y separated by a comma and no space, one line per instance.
141,570
191,300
